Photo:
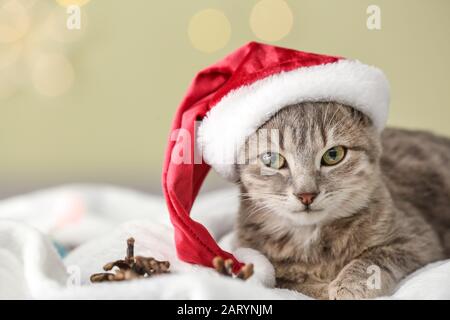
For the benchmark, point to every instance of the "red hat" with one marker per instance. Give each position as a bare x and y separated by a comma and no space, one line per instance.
234,97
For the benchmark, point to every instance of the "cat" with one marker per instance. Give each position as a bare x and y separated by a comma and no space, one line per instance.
340,210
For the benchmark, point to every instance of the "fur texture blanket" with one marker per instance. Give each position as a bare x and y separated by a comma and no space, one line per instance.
89,226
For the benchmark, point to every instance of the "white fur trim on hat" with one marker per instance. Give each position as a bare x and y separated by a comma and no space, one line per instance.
242,111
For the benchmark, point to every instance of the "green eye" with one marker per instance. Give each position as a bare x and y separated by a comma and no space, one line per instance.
273,160
333,156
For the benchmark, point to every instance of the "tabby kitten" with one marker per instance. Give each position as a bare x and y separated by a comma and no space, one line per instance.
332,213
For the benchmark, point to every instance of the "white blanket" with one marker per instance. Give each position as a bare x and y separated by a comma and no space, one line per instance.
96,221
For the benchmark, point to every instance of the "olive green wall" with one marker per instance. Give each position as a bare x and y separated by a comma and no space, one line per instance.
135,59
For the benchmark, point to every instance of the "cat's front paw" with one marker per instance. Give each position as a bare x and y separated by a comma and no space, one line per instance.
346,290
352,283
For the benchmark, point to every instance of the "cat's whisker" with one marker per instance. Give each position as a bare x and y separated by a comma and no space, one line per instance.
253,212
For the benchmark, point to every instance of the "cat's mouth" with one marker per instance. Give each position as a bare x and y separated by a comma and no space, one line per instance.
307,210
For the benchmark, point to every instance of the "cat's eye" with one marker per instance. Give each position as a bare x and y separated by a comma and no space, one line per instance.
333,156
273,160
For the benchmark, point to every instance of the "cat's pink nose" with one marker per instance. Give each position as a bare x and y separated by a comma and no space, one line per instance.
306,198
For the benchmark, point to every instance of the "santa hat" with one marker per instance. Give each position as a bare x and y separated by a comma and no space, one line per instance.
234,97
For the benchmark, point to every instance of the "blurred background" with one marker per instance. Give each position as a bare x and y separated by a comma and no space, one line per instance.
91,99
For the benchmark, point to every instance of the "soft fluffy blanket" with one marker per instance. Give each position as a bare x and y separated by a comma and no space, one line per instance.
91,224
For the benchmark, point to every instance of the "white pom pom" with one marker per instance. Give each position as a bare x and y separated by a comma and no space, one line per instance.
264,273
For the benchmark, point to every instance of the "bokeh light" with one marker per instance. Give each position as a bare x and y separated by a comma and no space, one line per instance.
14,21
209,30
66,3
271,20
52,74
53,30
34,44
